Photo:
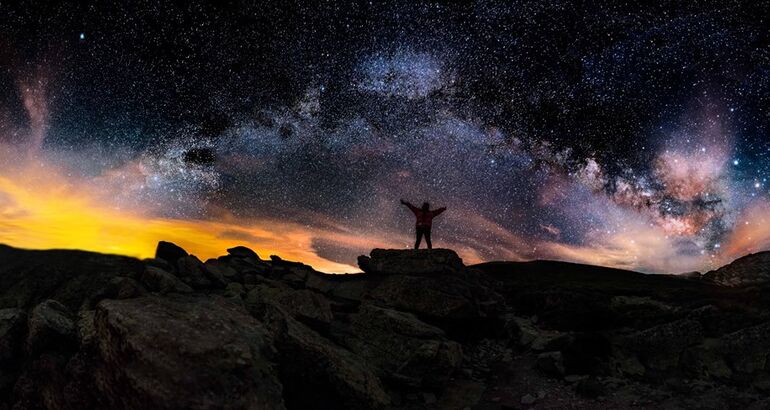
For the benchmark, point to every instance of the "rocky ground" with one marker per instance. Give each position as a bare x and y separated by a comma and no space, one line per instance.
418,329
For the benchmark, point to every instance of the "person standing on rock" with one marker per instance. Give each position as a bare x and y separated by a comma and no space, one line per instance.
424,221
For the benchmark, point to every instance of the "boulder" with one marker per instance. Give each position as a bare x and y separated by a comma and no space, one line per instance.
402,348
169,252
316,373
183,352
163,282
411,262
307,306
51,327
220,273
12,326
191,271
242,252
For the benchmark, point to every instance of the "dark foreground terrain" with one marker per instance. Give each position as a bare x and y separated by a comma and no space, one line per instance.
417,330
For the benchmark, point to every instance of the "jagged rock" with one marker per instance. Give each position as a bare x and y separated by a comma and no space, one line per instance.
51,327
161,281
551,363
220,272
403,348
411,262
12,326
169,252
192,272
242,252
304,305
183,352
318,374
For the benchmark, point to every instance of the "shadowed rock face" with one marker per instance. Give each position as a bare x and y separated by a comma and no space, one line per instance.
183,352
418,329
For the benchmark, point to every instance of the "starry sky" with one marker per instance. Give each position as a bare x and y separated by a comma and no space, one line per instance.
603,132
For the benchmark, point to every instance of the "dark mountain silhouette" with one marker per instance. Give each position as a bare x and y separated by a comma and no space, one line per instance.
417,329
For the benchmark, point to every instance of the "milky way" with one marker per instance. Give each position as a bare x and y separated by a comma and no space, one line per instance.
609,133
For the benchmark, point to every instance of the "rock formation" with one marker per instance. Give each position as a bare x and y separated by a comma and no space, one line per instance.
417,329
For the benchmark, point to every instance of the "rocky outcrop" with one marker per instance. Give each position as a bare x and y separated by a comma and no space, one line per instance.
411,262
317,373
417,329
752,269
402,348
435,286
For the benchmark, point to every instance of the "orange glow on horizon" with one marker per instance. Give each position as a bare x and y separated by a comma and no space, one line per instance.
45,212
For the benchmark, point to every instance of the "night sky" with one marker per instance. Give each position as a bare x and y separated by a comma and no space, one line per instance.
601,132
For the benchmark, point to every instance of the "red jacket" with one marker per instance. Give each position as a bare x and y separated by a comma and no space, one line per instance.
424,218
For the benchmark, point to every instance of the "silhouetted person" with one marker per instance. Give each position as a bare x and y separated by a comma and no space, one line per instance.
424,221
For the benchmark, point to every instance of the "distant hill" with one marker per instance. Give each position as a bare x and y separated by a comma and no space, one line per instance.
752,269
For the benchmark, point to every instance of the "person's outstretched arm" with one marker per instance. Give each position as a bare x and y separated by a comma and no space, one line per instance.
409,205
436,212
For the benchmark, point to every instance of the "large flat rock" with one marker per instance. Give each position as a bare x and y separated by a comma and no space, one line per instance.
410,261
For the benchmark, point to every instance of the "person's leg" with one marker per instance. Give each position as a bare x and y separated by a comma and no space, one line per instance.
427,238
418,232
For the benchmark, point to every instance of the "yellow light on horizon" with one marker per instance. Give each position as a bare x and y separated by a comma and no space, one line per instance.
58,216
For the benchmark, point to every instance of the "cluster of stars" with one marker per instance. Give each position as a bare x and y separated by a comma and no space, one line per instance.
608,136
